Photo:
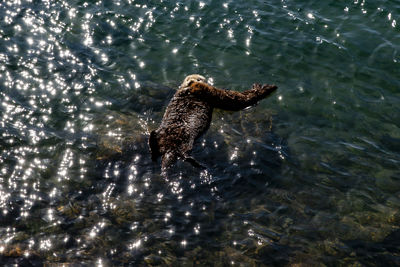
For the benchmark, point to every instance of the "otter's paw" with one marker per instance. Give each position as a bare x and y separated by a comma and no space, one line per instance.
256,86
269,87
265,89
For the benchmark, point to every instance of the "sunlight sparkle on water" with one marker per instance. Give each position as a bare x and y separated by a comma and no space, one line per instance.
45,244
310,16
135,245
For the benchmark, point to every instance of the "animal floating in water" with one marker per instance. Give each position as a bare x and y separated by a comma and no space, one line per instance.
189,113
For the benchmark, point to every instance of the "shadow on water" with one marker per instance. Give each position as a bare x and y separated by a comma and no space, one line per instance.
193,214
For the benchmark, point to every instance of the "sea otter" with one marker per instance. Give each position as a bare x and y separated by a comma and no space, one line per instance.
188,116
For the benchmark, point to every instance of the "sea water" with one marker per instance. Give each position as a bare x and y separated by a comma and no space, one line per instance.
309,176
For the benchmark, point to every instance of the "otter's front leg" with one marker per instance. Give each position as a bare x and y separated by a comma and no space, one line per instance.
231,100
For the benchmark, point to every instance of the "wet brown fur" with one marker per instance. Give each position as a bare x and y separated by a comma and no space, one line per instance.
189,113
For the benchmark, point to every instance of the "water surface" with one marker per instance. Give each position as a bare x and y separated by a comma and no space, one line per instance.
308,177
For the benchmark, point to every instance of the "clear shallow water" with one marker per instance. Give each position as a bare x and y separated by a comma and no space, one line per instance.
309,176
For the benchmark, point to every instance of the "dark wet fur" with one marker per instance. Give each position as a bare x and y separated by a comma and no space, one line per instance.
188,116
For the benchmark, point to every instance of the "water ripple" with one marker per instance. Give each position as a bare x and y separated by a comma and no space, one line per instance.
308,176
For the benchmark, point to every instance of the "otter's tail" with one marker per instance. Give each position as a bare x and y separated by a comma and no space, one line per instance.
154,147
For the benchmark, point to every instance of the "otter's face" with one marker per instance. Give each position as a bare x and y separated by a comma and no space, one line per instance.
192,78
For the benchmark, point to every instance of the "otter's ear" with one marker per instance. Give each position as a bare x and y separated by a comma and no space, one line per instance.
153,144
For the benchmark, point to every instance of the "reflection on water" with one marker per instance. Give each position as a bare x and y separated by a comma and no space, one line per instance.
308,176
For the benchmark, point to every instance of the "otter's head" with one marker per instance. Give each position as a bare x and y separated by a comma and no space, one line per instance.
192,78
